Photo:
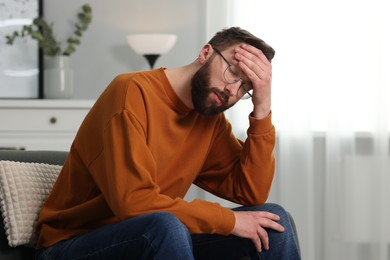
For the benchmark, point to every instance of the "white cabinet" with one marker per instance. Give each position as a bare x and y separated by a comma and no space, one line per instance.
41,124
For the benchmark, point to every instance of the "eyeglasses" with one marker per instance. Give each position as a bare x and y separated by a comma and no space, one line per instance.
232,74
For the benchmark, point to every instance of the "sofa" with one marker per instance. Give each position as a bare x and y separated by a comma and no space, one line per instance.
53,158
49,157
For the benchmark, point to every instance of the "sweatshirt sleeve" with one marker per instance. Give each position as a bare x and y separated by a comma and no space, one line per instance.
125,172
241,172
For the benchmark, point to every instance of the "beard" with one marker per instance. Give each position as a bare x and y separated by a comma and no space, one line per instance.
201,91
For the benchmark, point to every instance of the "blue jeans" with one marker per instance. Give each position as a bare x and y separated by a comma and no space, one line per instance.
162,236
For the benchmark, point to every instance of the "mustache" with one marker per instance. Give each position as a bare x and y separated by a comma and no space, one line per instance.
221,94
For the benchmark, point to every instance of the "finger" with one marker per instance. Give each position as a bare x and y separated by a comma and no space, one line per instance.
252,57
247,60
267,223
253,67
269,220
247,48
269,215
262,233
257,242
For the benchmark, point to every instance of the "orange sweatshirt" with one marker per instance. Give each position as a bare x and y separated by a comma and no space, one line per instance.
140,148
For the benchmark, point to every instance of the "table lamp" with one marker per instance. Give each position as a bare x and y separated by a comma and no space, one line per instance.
151,46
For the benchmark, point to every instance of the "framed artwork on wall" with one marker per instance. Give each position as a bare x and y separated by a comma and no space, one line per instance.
21,62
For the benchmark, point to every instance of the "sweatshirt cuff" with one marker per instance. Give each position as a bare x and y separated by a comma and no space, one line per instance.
229,220
258,127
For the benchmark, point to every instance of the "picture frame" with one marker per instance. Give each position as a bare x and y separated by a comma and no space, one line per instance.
21,64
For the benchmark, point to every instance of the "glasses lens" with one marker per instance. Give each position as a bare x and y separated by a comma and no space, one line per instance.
232,74
244,91
247,95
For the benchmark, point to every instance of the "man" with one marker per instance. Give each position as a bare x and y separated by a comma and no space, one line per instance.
148,137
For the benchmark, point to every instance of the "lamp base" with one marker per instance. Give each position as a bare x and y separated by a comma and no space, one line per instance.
151,58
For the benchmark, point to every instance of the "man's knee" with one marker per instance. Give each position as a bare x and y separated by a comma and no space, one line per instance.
169,224
270,207
276,209
166,233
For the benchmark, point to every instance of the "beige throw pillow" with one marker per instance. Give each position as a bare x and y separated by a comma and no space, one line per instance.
23,189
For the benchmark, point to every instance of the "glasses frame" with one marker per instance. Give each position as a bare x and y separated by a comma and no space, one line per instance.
246,94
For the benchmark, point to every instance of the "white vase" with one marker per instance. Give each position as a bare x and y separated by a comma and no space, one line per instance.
58,78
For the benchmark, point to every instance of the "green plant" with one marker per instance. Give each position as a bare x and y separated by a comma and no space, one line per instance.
41,31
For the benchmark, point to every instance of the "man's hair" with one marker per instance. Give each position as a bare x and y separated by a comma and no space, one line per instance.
230,36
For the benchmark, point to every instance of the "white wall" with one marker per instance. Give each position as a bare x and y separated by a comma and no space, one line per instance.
104,52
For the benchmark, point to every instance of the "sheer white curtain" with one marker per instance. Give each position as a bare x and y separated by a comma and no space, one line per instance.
331,96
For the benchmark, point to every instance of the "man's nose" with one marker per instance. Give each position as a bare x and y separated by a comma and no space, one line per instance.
232,88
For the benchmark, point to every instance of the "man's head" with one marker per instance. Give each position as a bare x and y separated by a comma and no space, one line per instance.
234,35
210,99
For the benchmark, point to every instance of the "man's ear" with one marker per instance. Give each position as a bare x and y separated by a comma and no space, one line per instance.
205,53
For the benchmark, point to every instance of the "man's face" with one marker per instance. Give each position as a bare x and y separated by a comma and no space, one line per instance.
209,100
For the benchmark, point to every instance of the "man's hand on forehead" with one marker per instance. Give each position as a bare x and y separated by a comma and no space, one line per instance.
258,70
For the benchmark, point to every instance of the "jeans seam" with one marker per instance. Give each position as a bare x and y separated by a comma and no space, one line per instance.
154,248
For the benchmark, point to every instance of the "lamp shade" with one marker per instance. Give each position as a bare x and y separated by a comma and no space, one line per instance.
157,44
